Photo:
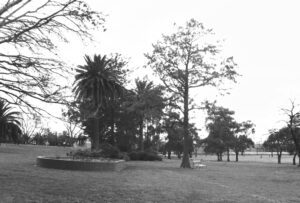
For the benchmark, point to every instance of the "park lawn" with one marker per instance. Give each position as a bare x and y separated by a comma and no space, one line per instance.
22,181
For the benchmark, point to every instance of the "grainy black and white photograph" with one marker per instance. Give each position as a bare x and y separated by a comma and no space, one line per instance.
149,101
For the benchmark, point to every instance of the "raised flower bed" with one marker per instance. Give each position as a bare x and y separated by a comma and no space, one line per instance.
68,163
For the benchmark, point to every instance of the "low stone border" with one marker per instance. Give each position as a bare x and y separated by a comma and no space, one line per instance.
84,165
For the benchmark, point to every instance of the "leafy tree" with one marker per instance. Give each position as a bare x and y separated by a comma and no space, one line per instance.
241,141
119,65
65,139
28,57
278,140
38,139
50,137
183,63
221,126
9,120
126,122
173,126
96,84
148,105
214,145
81,139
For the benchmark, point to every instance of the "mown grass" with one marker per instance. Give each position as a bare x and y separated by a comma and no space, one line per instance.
22,181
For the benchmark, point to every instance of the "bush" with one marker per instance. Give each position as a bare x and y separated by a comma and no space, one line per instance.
106,151
144,156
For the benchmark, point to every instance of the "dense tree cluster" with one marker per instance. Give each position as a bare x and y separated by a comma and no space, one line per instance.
225,133
104,108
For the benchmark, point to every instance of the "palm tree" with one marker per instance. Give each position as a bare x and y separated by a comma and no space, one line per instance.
8,119
96,83
148,104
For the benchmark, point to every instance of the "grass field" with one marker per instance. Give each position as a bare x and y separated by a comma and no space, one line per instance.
246,181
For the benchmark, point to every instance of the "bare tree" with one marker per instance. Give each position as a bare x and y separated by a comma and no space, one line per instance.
71,122
30,124
29,30
293,123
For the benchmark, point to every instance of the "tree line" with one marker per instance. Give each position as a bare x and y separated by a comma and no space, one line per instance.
225,133
107,110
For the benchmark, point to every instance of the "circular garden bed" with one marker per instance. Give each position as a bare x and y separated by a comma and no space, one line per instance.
68,163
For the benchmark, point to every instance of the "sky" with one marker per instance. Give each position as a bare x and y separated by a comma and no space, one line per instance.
262,36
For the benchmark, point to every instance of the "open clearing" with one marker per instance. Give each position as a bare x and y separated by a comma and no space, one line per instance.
246,181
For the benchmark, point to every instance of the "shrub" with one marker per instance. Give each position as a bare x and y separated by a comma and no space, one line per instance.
106,151
124,156
86,153
144,156
109,151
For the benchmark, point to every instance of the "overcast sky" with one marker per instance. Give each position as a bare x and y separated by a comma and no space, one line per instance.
262,35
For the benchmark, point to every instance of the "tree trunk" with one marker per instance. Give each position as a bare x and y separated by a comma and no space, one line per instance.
179,155
112,127
228,155
294,159
279,156
95,139
169,154
185,159
218,157
236,156
295,139
141,140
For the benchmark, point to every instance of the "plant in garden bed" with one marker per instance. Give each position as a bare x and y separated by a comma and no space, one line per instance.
105,152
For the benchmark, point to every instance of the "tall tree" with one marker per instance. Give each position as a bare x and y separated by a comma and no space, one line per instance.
183,61
241,140
96,83
221,126
148,105
279,140
293,124
29,32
